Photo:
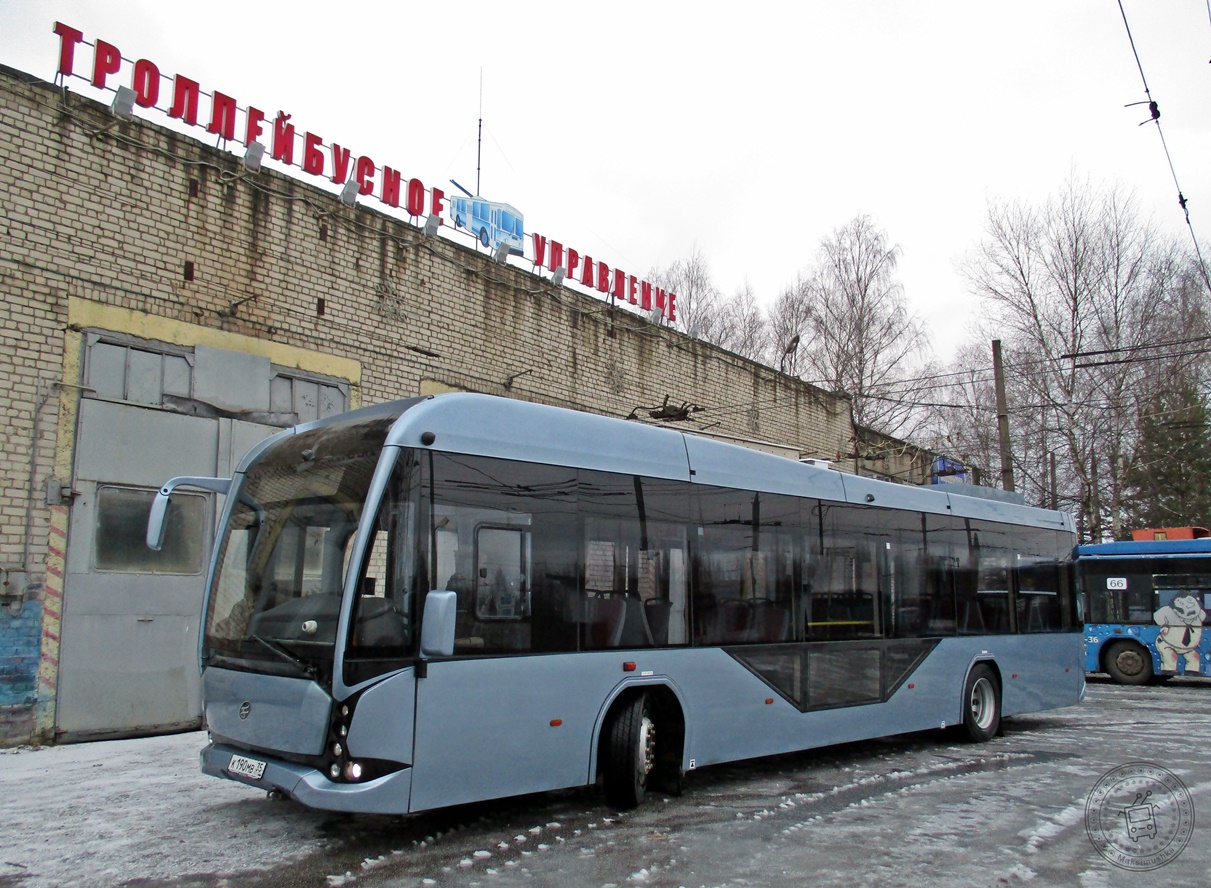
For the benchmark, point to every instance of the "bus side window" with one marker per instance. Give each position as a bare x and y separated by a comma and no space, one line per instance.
632,590
744,567
1139,599
502,566
507,551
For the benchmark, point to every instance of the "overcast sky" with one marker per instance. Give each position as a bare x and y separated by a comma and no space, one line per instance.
639,131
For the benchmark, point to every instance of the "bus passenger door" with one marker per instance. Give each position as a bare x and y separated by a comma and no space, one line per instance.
500,718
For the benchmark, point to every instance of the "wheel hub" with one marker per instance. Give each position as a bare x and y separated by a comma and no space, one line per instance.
647,746
1130,662
983,703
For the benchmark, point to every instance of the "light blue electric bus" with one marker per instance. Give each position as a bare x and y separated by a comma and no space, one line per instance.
455,598
491,223
1148,607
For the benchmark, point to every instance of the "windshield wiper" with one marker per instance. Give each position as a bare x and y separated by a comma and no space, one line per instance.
304,667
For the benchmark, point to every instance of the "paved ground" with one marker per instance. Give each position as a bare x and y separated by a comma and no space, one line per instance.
921,809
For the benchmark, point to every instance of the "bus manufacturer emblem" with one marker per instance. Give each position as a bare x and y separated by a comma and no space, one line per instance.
245,708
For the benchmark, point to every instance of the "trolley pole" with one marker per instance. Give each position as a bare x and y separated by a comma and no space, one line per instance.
998,375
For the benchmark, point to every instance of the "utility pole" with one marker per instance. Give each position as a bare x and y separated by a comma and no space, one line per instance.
998,376
1055,490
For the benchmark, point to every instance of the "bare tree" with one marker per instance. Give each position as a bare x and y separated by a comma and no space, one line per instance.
741,326
856,333
1081,293
963,424
697,296
788,325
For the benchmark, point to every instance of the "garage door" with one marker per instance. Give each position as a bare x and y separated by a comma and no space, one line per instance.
128,654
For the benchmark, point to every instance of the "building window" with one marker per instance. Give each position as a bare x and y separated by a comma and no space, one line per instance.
122,368
120,543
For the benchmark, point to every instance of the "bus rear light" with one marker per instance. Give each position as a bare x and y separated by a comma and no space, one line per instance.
334,771
337,750
911,685
769,701
343,730
629,666
556,722
353,772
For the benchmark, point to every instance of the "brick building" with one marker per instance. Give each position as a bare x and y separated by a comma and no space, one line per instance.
164,308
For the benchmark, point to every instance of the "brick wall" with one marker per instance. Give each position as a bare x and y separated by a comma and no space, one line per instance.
133,215
20,654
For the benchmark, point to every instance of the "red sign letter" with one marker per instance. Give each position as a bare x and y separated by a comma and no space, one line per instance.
416,197
573,261
435,204
185,99
365,175
106,61
222,116
587,277
540,248
340,164
255,117
603,277
146,83
313,160
283,139
391,180
68,38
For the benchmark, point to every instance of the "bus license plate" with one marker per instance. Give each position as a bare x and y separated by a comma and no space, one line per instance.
246,767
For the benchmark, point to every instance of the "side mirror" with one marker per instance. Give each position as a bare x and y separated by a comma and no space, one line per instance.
437,624
159,505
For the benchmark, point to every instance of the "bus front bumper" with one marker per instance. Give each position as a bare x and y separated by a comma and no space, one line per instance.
385,795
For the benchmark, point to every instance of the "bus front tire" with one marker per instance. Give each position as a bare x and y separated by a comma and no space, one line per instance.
630,752
981,705
1128,663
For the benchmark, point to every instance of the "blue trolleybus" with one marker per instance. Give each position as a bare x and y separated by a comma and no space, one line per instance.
462,597
1147,605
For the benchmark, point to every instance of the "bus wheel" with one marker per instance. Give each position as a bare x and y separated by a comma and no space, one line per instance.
1128,663
483,236
981,704
630,752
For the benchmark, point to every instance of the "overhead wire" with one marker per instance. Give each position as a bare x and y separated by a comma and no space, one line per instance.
1155,114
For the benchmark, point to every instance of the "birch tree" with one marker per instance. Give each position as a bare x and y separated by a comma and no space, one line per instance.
1082,293
856,334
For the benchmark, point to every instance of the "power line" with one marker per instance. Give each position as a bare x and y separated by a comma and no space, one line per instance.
1112,351
1155,114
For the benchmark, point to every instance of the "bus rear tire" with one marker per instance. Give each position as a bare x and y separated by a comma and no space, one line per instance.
630,752
981,705
1128,663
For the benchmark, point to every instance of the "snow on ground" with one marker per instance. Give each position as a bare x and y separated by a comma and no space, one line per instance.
903,812
110,812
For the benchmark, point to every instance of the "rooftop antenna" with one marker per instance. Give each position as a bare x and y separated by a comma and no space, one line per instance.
479,142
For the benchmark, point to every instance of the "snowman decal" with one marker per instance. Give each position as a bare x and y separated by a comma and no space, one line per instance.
1181,625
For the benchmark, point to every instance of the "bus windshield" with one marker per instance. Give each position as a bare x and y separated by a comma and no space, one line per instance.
283,555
